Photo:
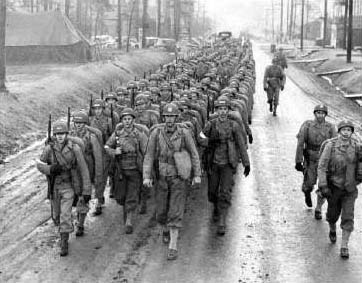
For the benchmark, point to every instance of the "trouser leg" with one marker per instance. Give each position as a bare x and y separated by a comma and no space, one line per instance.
66,194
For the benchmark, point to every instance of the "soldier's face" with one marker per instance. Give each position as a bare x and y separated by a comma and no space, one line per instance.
153,83
346,133
79,126
98,111
170,121
111,102
127,121
60,137
140,106
194,96
222,111
320,116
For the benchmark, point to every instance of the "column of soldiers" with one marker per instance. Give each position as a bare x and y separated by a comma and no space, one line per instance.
156,137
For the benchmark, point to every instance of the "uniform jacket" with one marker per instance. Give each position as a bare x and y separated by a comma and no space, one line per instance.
133,146
310,138
158,149
104,124
274,76
147,118
224,140
93,154
75,169
338,164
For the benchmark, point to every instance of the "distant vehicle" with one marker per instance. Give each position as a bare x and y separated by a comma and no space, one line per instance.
133,43
223,35
167,44
105,41
151,41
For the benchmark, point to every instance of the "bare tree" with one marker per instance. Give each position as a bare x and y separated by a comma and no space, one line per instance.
119,24
158,23
67,7
130,23
144,22
2,45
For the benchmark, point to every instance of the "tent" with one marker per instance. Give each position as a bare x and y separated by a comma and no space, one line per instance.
47,37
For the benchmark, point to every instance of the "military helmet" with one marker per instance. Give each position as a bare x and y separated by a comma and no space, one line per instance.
165,87
206,81
345,123
143,83
80,117
321,107
98,103
154,77
170,109
131,84
194,90
141,99
111,95
222,101
121,90
60,127
155,90
128,111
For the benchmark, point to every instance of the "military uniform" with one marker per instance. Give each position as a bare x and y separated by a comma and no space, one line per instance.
72,177
274,80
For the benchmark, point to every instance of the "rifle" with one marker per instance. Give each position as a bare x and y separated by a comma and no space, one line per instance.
144,75
68,119
102,94
90,106
171,94
132,98
208,107
50,179
112,123
111,87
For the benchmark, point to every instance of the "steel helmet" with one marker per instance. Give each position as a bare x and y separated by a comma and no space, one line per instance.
345,123
155,90
321,107
80,117
206,81
131,84
128,111
60,127
121,90
111,95
170,109
141,99
154,77
143,83
98,103
165,87
222,102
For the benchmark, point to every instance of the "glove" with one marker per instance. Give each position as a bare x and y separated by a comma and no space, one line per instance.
246,170
250,138
325,192
56,169
299,167
86,198
282,87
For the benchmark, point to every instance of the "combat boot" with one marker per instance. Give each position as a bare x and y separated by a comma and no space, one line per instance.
64,237
80,226
143,208
172,248
129,227
221,227
98,210
332,233
344,244
308,199
215,214
270,107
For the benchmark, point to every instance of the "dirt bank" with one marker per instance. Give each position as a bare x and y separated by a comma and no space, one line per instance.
37,90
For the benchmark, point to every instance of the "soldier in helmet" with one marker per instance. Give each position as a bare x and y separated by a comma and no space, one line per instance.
104,123
164,142
339,173
166,93
143,85
143,115
310,137
281,59
124,98
93,154
274,80
154,79
128,146
63,161
111,107
225,145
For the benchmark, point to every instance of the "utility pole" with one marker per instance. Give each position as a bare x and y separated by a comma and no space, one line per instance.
287,24
134,2
2,46
119,24
67,7
325,23
291,19
158,23
345,24
273,20
144,22
350,32
281,20
302,28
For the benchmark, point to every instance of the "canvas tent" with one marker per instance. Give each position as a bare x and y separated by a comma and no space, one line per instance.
47,37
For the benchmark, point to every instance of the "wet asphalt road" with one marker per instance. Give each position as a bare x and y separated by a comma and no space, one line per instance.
271,236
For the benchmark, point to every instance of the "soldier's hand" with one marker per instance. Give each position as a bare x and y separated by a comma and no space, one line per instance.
87,198
299,166
250,138
118,151
56,169
196,181
282,87
325,191
147,183
246,171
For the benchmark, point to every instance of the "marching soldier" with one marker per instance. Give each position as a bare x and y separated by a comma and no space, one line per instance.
311,135
167,144
127,146
64,162
274,80
93,155
339,173
224,142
